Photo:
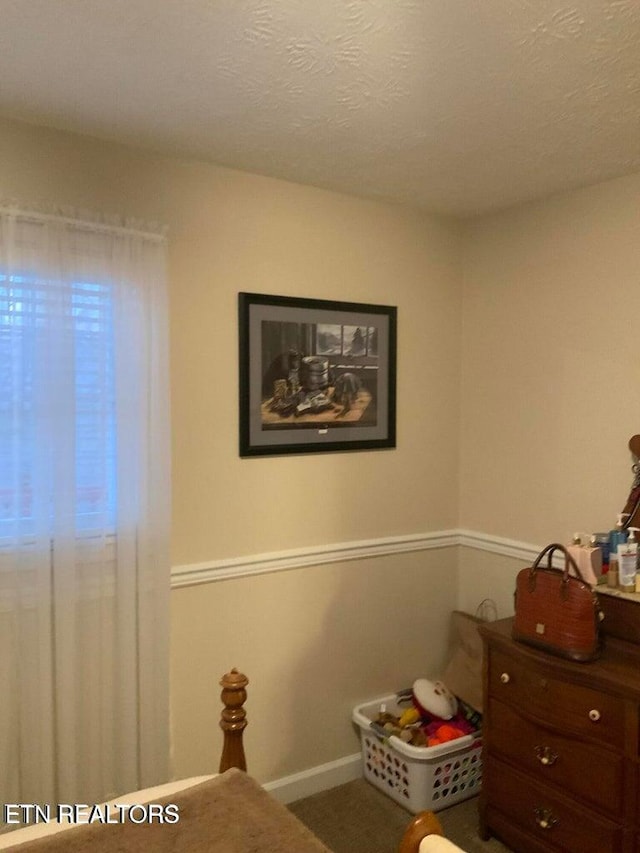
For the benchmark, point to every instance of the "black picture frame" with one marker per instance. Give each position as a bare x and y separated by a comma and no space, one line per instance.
316,375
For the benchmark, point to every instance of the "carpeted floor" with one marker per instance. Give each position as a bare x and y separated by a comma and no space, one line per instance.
358,818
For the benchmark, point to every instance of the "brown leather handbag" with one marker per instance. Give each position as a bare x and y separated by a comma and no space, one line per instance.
556,611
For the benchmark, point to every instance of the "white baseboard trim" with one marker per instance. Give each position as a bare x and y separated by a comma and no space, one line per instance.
316,779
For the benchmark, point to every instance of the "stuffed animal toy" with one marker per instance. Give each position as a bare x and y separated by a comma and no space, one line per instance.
433,698
435,716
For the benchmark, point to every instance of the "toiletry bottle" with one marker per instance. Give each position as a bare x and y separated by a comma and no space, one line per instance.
574,549
602,541
588,558
612,574
616,537
595,560
627,557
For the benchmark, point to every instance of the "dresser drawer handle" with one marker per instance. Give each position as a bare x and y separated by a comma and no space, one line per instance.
545,818
505,678
594,715
546,755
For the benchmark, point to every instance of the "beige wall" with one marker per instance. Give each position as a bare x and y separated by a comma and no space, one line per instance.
550,375
487,575
316,640
551,365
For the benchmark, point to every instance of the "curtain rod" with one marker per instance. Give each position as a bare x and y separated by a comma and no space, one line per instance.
36,216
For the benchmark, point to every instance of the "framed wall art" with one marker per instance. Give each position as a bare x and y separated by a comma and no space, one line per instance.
315,375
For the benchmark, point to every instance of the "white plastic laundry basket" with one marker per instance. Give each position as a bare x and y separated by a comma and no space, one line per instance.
418,777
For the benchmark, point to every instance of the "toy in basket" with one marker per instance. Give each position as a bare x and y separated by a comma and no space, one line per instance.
419,759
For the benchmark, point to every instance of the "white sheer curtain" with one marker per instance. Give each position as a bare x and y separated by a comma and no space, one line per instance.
84,509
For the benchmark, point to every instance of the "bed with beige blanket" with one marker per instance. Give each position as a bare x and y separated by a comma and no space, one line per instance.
228,812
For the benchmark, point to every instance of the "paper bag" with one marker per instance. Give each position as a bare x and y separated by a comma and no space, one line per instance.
463,673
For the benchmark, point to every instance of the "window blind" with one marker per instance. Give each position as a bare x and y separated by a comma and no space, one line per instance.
83,319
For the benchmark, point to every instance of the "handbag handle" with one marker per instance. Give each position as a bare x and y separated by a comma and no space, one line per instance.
568,562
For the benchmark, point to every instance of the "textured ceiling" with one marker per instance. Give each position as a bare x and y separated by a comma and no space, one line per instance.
458,106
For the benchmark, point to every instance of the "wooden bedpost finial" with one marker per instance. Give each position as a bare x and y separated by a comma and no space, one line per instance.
423,824
233,719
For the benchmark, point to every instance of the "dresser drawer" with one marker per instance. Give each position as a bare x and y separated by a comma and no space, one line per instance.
546,816
549,757
530,689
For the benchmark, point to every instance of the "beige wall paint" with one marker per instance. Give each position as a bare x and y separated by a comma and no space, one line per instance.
228,232
278,238
312,641
551,367
550,375
482,574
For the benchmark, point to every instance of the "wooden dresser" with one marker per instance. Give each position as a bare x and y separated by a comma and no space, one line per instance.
561,748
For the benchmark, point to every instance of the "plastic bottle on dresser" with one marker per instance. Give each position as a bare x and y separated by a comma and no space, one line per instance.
596,559
627,559
602,541
616,537
588,558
